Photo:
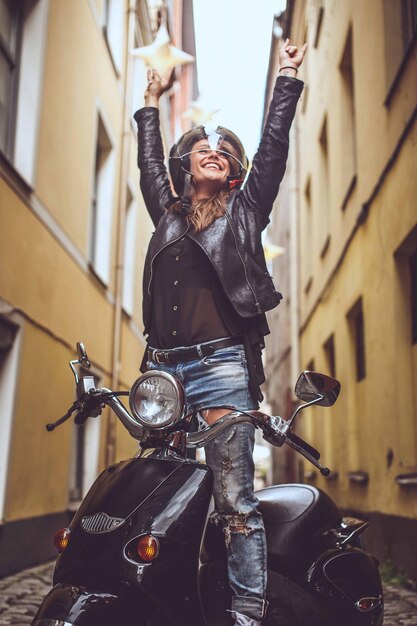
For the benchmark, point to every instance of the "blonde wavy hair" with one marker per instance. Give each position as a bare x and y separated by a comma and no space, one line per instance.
204,212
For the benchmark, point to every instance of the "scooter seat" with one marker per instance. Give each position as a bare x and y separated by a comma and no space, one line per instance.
295,517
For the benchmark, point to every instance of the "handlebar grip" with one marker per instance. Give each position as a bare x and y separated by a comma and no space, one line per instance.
304,445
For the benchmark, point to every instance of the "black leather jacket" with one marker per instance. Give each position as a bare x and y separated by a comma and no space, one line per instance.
233,241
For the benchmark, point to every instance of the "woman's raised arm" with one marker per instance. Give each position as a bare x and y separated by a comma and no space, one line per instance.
154,180
269,162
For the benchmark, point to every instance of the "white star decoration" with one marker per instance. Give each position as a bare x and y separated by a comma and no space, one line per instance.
200,112
271,251
161,54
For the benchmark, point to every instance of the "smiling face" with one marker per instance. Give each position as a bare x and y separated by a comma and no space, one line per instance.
210,168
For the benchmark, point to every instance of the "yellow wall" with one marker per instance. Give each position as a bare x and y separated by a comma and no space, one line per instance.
43,280
44,256
378,414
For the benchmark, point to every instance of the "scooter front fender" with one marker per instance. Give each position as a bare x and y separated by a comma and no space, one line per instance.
69,605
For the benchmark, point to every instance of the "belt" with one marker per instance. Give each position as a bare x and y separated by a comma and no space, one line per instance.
200,350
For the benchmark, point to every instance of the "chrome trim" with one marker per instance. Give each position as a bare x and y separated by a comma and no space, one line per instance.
351,528
132,426
100,523
176,416
202,437
375,603
51,622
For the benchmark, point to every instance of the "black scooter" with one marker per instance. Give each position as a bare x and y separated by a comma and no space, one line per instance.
140,552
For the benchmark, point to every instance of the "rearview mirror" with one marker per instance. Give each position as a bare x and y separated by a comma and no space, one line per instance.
311,385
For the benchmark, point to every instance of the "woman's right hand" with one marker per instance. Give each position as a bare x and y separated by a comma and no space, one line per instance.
156,87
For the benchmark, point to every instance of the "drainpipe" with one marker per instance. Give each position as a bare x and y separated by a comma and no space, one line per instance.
121,216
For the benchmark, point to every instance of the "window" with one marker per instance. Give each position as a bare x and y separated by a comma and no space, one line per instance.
347,119
329,352
307,237
139,81
319,24
413,297
101,205
357,329
400,18
310,366
406,260
324,191
10,31
9,348
113,30
23,27
129,255
305,76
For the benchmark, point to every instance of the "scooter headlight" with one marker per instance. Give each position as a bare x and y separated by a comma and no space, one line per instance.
157,399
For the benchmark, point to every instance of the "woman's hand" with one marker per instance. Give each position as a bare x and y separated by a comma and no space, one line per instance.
290,58
156,87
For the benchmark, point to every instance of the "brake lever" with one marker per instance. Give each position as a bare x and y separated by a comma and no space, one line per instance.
76,405
323,470
304,445
278,431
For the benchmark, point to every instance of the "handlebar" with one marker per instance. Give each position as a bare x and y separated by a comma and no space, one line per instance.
276,430
91,404
202,437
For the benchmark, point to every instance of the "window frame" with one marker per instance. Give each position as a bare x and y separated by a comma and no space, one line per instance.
9,377
11,53
102,202
356,320
409,44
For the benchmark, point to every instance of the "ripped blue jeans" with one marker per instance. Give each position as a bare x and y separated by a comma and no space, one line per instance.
230,458
215,381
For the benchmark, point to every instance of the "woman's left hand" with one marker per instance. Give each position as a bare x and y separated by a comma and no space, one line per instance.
291,56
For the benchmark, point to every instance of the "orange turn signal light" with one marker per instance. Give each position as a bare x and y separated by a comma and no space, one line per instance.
61,538
148,547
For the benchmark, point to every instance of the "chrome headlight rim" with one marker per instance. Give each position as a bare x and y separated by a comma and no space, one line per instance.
176,416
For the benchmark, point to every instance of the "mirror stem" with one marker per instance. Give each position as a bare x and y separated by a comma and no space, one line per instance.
303,406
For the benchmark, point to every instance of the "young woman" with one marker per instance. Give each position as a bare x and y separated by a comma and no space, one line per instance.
205,292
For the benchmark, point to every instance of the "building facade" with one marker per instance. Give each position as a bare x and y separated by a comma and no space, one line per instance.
354,164
73,236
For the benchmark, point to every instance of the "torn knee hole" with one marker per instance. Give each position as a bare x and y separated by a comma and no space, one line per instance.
237,523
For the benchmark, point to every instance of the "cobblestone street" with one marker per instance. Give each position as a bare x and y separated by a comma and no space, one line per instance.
21,594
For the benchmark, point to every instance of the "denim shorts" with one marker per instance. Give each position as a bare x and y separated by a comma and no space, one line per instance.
218,380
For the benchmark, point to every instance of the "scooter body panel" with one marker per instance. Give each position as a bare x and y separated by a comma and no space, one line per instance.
166,498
